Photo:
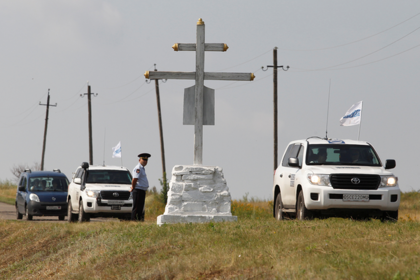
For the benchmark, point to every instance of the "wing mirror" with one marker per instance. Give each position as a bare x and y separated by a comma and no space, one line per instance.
21,188
77,181
85,165
294,162
390,163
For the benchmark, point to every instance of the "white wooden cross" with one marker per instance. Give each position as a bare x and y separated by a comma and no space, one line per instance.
200,91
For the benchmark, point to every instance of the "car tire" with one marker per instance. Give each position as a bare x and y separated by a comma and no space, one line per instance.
278,208
27,216
18,215
390,216
302,213
83,216
70,216
61,218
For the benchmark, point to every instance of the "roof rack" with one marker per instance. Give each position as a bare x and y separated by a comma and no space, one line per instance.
27,170
317,138
57,170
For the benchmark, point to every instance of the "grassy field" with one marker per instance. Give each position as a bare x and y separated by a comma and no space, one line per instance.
255,247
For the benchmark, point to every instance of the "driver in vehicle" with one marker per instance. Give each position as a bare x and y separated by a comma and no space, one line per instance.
354,153
322,156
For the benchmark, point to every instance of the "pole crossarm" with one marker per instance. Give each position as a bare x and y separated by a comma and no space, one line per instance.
157,75
209,47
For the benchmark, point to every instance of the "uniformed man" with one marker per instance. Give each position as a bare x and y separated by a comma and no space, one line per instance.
139,186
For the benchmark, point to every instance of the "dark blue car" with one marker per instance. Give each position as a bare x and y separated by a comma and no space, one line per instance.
41,193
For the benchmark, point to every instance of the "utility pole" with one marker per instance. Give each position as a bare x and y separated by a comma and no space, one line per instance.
275,102
162,146
45,128
89,93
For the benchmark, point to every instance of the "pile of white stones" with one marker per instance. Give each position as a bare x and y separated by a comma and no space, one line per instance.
197,194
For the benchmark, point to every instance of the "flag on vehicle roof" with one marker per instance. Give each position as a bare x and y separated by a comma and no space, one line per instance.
116,151
353,115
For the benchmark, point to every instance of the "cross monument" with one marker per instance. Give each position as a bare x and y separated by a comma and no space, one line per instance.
195,96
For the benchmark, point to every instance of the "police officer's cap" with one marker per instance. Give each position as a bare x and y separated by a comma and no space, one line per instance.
146,155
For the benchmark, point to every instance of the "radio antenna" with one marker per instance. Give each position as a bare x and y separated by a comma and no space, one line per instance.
104,146
328,109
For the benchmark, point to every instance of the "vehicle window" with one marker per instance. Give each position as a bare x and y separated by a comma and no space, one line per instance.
23,183
292,151
342,155
108,176
48,184
79,173
300,155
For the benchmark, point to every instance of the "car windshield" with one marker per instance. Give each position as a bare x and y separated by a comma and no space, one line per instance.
108,177
336,154
48,184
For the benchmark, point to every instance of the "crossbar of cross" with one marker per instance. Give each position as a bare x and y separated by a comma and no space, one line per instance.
199,76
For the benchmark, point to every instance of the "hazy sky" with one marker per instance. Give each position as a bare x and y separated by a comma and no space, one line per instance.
370,50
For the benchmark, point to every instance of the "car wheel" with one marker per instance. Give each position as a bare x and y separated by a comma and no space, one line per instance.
18,215
27,216
278,208
61,218
70,216
83,216
302,213
390,216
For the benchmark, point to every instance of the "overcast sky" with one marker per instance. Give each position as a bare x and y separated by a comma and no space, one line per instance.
369,50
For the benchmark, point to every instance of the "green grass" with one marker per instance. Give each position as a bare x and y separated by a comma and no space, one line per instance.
7,192
261,248
255,247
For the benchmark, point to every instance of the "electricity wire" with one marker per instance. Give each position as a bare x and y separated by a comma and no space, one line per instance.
350,43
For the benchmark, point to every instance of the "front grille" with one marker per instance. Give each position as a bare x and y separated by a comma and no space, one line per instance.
344,181
122,195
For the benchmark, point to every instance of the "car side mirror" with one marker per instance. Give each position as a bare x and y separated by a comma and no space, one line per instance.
21,188
85,165
294,162
77,181
390,163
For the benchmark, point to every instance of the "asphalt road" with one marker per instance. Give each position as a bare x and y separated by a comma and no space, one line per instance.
8,212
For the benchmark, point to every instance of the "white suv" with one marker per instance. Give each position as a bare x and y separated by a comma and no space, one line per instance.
324,177
99,191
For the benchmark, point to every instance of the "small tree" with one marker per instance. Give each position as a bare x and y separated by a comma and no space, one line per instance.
17,169
164,190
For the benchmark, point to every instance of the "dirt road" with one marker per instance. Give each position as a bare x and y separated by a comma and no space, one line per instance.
7,212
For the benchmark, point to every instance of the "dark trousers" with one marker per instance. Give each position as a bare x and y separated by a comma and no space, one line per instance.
139,197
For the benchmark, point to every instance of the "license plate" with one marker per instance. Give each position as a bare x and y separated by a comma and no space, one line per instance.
115,202
115,207
53,207
356,197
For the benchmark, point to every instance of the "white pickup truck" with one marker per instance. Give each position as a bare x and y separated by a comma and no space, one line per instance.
325,177
99,191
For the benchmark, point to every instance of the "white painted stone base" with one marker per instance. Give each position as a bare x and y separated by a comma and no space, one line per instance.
197,194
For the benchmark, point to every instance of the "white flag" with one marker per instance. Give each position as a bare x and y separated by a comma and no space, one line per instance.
116,151
353,115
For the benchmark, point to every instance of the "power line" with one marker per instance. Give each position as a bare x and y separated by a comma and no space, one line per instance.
350,43
245,61
399,39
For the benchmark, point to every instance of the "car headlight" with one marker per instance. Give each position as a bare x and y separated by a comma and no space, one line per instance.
92,193
34,197
388,181
319,179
